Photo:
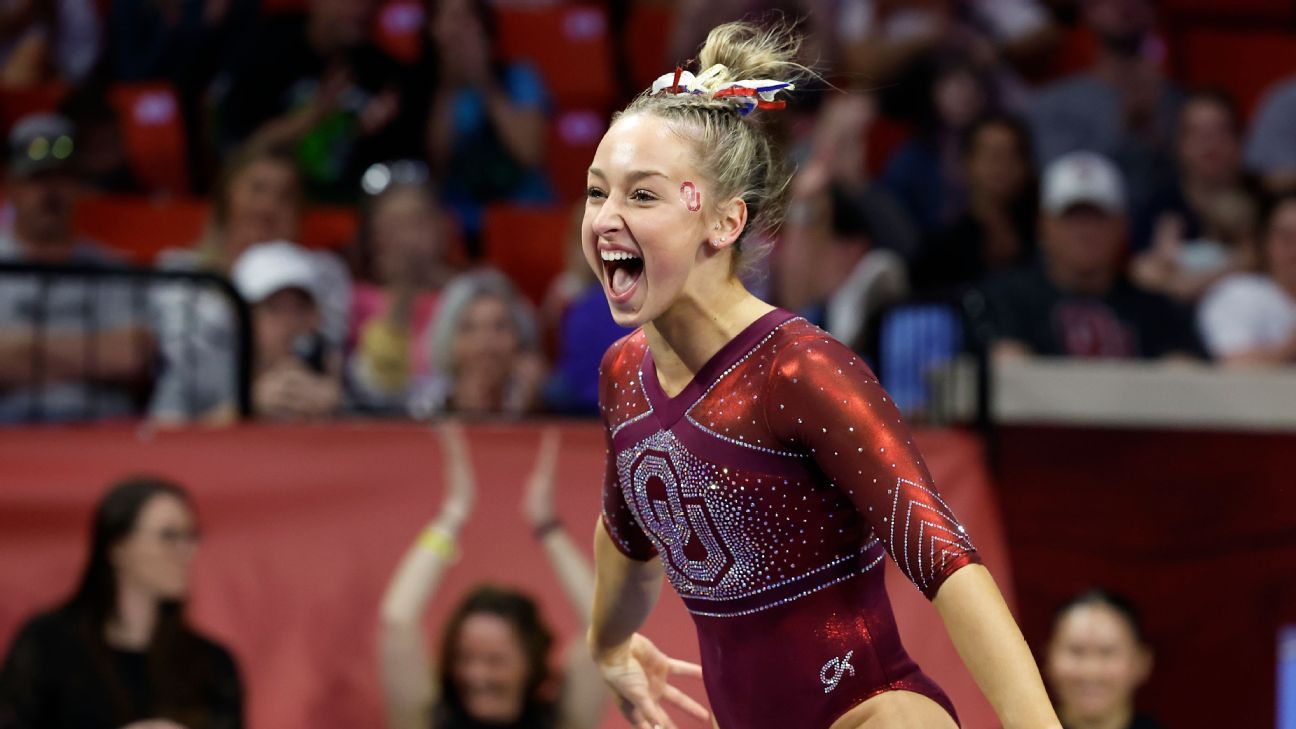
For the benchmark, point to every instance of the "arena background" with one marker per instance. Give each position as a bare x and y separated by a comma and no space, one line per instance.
1173,484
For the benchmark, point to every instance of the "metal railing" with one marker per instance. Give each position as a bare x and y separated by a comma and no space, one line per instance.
26,291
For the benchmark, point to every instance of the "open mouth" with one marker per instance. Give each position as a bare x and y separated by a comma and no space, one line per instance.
622,271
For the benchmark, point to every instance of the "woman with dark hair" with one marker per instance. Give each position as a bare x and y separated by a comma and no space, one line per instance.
119,652
996,228
494,657
486,135
1097,658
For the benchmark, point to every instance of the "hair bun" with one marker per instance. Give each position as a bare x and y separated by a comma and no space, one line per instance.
744,50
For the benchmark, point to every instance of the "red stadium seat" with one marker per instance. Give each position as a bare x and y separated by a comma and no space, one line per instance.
568,44
153,130
527,244
139,227
1246,63
573,137
399,29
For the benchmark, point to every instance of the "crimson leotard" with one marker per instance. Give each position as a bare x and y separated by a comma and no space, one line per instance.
770,487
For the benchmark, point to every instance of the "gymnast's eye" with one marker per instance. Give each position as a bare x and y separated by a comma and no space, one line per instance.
642,196
593,193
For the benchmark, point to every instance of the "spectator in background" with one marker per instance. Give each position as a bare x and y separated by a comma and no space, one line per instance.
70,348
826,266
486,136
404,241
1270,152
901,46
317,83
185,42
1096,660
924,172
484,349
1250,318
258,199
297,373
494,657
1077,302
1209,163
1202,227
996,229
103,163
119,652
836,145
44,41
576,318
1122,107
841,250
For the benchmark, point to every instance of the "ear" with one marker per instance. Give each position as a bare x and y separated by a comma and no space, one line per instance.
729,223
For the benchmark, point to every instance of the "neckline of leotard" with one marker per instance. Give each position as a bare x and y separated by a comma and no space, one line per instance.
670,409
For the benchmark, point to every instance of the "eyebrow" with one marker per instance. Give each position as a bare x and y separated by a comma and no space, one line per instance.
634,176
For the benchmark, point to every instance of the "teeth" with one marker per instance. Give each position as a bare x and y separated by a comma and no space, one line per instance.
617,256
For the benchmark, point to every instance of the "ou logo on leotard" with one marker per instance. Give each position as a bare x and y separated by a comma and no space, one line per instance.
675,511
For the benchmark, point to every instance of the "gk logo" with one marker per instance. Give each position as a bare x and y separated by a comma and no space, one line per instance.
838,666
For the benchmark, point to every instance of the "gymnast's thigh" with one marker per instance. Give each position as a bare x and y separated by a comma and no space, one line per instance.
896,710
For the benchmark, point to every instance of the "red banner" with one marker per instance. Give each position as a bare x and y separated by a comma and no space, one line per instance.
304,525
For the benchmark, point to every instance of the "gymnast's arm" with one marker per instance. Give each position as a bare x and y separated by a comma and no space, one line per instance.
824,399
625,591
408,689
991,646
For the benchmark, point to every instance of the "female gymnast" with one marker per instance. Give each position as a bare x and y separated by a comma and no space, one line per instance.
753,460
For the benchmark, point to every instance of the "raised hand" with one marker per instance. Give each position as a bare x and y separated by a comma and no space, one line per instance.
538,501
639,675
460,490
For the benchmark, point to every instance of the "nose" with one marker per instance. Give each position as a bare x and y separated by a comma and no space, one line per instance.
608,220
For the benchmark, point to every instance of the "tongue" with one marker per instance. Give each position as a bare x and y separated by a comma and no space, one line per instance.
622,280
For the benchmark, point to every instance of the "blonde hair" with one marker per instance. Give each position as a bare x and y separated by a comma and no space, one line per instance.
736,151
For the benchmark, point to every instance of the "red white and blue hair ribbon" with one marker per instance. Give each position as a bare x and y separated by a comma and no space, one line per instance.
747,94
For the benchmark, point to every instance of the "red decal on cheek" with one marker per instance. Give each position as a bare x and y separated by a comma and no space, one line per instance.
690,196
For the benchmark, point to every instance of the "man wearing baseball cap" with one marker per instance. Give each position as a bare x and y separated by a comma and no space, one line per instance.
1077,301
91,357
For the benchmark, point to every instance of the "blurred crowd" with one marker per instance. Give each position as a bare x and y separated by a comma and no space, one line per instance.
1106,211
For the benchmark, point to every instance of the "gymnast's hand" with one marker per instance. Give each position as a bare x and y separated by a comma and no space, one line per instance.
637,672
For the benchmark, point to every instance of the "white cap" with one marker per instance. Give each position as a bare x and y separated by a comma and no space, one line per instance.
1083,178
266,268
